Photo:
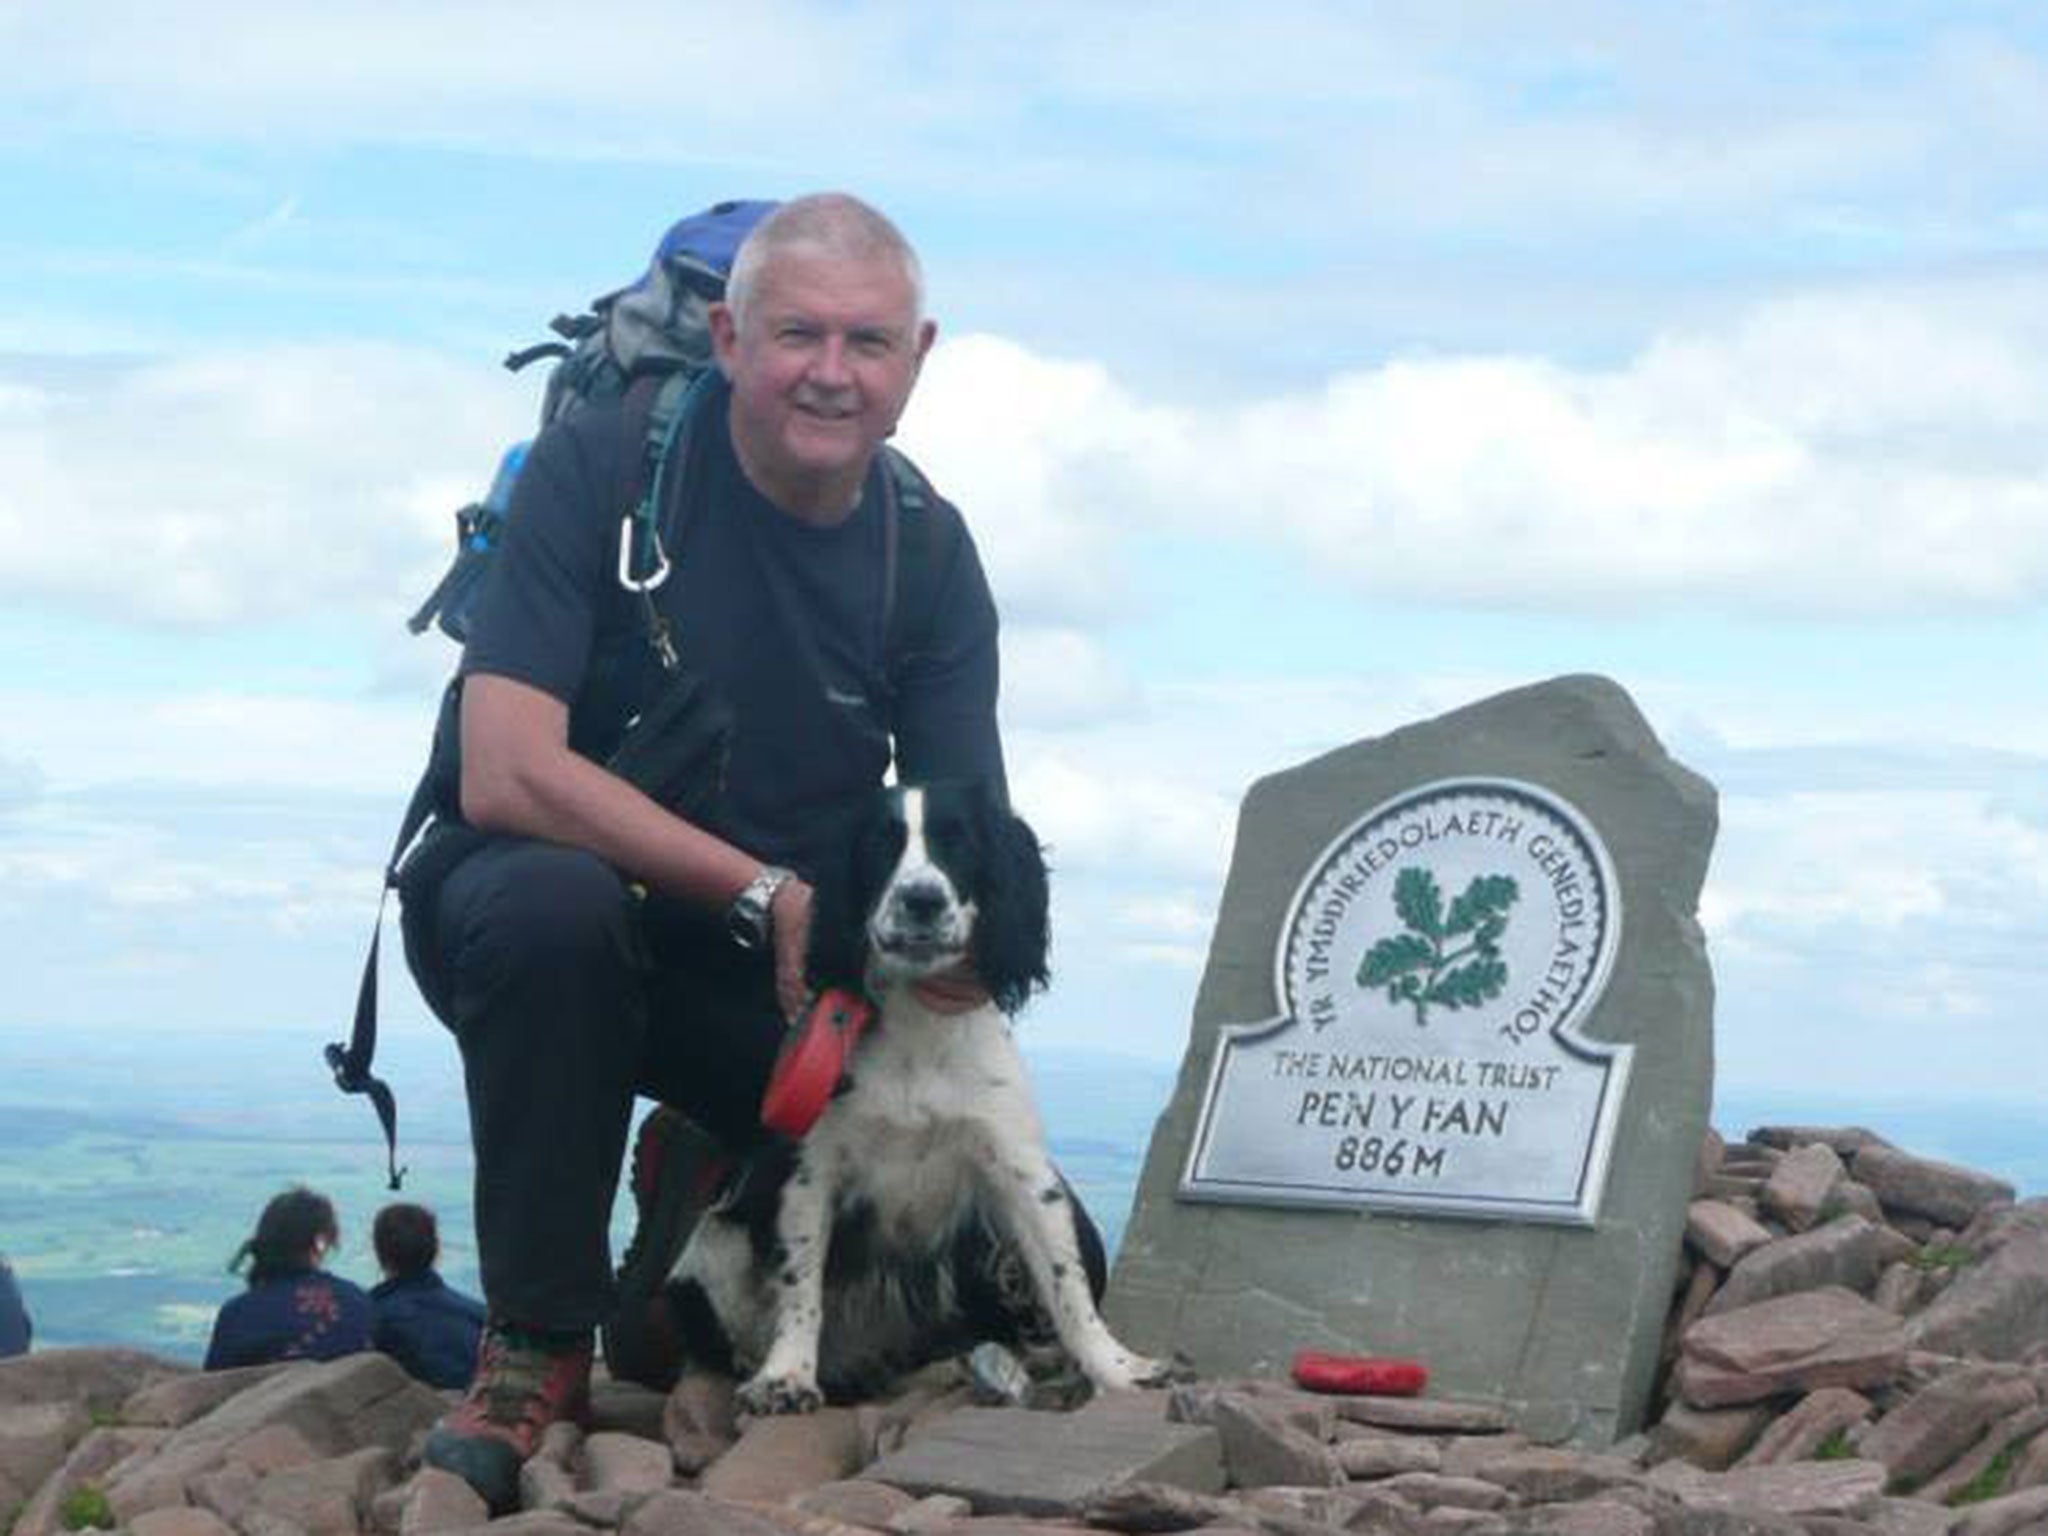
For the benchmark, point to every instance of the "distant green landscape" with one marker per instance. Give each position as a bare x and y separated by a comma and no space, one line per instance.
129,1178
131,1170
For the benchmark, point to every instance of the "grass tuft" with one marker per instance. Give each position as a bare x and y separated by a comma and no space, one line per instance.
1989,1483
1835,1448
1942,1256
86,1508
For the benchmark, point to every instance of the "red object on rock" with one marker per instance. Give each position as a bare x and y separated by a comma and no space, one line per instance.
1359,1375
811,1061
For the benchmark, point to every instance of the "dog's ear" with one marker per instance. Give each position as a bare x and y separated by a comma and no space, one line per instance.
1011,935
837,954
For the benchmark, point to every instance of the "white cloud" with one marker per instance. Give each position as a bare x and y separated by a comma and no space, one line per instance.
1152,795
1113,816
249,741
21,783
1169,928
1026,444
1862,452
1590,114
1866,452
222,488
1061,678
1802,863
1177,916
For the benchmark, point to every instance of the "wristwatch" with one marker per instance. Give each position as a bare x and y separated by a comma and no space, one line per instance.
749,918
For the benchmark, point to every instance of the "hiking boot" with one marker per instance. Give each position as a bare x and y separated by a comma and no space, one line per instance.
677,1173
525,1381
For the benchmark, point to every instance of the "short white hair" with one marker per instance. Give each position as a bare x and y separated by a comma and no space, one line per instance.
834,223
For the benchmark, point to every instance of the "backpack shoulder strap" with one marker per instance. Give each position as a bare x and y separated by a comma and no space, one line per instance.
653,434
351,1063
917,540
660,417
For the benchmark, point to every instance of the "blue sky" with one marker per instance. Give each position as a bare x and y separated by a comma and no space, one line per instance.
1303,373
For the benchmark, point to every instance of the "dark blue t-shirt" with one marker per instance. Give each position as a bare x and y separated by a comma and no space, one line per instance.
304,1315
428,1327
784,619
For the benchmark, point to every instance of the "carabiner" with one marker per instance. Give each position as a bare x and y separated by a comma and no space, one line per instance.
626,577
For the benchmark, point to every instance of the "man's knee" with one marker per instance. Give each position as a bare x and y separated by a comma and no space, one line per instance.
521,912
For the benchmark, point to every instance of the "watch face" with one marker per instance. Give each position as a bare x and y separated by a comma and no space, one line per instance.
744,920
748,916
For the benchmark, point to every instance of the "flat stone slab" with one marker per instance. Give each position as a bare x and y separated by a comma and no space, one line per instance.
98,1380
2014,1515
1800,1187
1722,1232
1712,1438
1801,1488
1996,1309
331,1409
35,1438
1849,1251
1365,1454
1825,1338
1921,1186
179,1400
784,1455
1942,1420
1438,1416
1546,1475
1847,1140
1261,1449
1017,1461
1796,1435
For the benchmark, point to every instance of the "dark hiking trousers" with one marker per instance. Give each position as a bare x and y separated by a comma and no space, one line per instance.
568,995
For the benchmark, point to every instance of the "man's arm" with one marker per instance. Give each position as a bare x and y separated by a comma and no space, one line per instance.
519,777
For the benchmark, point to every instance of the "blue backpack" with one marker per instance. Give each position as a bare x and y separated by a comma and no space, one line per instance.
647,342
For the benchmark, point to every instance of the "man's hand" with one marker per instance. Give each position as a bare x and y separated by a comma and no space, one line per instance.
790,927
956,989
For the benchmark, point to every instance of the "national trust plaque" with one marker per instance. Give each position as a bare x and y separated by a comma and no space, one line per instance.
1434,973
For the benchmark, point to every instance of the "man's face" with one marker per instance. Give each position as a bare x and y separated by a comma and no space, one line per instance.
821,366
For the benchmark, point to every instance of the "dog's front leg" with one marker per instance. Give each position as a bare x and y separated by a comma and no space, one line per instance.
1035,1207
787,1381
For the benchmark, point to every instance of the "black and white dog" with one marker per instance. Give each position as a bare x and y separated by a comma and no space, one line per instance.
921,1214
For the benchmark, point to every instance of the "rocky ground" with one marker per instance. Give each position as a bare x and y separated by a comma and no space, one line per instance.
1859,1343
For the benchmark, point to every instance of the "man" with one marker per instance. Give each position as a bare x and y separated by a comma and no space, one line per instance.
568,992
416,1317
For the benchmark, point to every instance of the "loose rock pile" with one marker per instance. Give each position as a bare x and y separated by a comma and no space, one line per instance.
1841,1298
1859,1343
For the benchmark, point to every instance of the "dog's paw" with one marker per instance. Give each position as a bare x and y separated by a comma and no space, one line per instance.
1123,1371
764,1395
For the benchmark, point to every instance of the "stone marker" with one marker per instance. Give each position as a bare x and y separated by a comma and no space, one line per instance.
1449,1066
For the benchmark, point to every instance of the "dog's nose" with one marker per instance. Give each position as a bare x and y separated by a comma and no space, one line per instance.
923,903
